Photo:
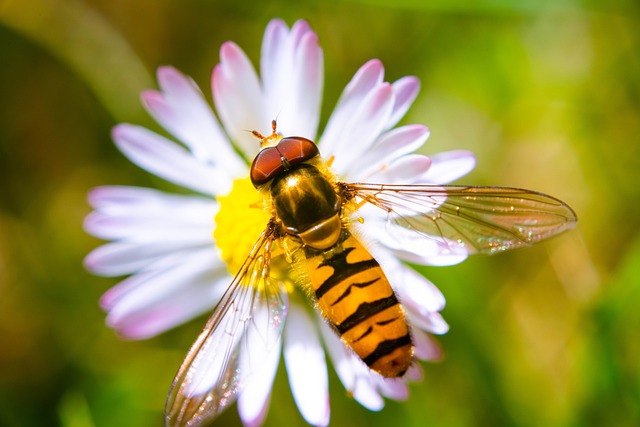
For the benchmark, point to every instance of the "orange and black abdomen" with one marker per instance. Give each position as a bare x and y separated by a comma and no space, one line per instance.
355,296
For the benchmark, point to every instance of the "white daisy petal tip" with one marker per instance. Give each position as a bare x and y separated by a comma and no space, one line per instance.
414,373
371,71
253,403
300,27
450,165
395,389
166,74
405,90
252,415
303,348
152,100
427,347
231,55
367,395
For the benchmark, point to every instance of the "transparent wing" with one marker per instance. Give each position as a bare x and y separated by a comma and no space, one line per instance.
483,220
248,318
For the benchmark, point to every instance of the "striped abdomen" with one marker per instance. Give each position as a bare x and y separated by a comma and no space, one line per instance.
357,300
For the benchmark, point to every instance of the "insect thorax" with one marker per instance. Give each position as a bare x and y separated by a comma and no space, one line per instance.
307,205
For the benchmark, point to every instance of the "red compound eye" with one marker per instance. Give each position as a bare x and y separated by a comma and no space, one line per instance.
266,166
272,161
297,149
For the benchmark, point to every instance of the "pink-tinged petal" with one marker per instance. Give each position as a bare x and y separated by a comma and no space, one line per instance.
415,291
138,202
449,166
156,268
147,230
292,77
356,377
275,37
191,302
109,299
121,258
430,322
164,285
366,79
142,214
303,350
393,388
390,146
409,169
367,395
300,115
426,347
167,160
363,129
183,302
340,356
183,111
238,99
406,90
299,29
414,373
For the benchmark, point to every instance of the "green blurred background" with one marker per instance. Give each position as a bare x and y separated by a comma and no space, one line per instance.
547,94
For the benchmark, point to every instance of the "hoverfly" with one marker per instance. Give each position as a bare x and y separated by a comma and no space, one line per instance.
311,229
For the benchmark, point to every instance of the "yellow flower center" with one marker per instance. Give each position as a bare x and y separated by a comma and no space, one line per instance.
240,220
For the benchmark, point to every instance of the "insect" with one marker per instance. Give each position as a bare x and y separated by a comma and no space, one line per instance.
311,229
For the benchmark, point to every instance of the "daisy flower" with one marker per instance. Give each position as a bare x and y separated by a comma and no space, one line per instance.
180,252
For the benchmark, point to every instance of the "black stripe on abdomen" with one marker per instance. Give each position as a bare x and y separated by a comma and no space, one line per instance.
387,347
365,311
342,270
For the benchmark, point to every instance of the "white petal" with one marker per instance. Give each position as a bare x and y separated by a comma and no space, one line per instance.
306,367
147,230
414,373
437,258
414,247
275,37
192,301
141,214
164,296
133,202
238,99
356,377
430,322
340,355
220,350
368,77
164,280
182,110
394,388
363,128
367,395
291,66
409,169
449,166
167,160
426,347
415,291
144,215
121,258
260,359
405,89
165,263
390,146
